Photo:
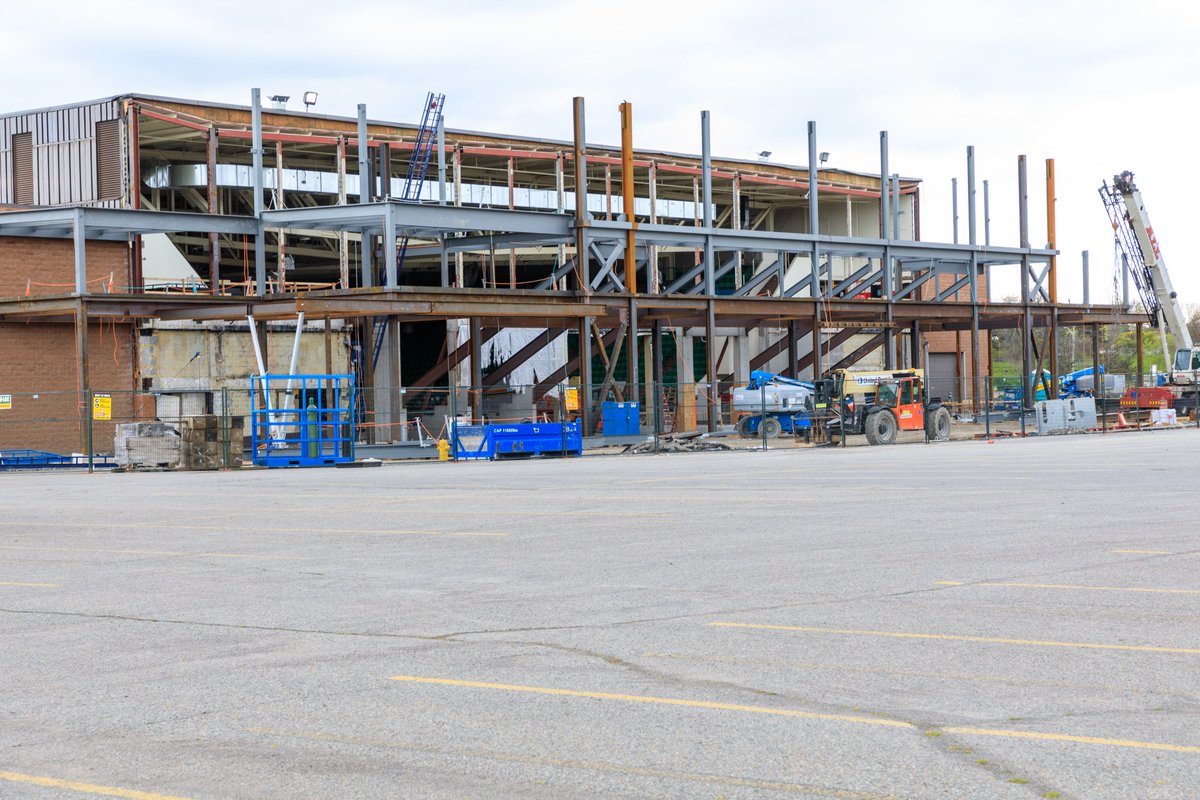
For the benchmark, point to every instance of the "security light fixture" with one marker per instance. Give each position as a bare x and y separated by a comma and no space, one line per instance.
823,157
310,100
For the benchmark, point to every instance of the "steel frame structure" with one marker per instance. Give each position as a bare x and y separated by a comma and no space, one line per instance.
605,271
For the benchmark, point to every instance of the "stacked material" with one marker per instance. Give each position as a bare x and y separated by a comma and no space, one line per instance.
208,441
211,442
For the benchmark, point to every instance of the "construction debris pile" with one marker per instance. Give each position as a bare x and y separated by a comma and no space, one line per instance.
692,442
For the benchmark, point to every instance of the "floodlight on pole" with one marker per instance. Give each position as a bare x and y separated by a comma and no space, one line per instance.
310,100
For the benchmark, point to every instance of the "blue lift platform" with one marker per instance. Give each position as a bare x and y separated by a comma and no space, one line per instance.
314,429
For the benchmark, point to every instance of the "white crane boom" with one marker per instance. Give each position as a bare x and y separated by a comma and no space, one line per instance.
1131,226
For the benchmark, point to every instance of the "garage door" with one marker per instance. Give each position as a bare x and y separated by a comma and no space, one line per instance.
942,372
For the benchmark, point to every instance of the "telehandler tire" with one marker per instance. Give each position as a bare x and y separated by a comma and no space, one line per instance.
881,428
770,427
937,425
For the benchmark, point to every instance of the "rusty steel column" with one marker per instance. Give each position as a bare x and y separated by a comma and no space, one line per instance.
581,258
135,195
1052,275
628,200
585,374
793,367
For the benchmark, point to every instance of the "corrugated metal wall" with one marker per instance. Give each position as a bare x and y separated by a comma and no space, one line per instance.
67,169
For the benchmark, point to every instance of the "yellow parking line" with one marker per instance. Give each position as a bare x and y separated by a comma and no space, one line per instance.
788,712
116,551
664,701
1147,552
86,788
1063,737
948,637
19,583
1143,589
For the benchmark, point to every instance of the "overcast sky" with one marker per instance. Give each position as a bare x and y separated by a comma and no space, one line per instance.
1099,86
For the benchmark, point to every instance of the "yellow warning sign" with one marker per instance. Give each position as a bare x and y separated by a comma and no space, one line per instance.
5,402
102,406
572,398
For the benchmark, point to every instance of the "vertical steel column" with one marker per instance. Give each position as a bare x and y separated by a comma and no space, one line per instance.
475,391
914,344
585,374
1087,295
631,353
512,204
987,217
79,236
627,195
710,281
710,359
1097,378
814,214
652,250
886,267
954,207
85,386
389,245
214,242
281,237
343,237
256,154
896,211
441,148
135,195
816,343
1052,274
660,394
793,365
458,256
364,195
1027,321
581,254
972,238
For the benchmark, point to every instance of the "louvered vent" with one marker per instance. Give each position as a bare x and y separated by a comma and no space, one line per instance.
22,168
108,159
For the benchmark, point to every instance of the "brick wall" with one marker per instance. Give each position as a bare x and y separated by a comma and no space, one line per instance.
37,359
27,262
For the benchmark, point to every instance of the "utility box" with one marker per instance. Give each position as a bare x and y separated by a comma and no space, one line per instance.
621,419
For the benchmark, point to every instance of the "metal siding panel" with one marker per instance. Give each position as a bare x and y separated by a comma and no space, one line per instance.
942,371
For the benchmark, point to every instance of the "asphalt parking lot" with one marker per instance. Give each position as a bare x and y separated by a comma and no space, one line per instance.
970,620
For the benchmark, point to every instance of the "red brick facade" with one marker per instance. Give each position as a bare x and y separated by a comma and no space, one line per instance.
39,367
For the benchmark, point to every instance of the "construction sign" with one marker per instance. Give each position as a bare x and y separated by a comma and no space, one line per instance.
102,406
572,399
5,402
